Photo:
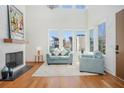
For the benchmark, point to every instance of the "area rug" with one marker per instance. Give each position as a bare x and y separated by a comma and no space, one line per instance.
60,70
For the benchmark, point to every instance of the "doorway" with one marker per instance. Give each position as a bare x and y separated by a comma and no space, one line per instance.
120,44
80,42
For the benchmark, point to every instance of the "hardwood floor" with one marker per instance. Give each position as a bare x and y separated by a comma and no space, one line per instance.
96,81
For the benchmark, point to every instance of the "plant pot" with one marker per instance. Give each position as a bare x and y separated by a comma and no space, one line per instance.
4,75
10,72
4,72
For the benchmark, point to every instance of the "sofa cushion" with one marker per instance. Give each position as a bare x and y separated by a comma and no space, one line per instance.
59,57
98,54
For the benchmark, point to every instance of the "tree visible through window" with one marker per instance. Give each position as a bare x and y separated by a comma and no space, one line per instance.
102,37
54,41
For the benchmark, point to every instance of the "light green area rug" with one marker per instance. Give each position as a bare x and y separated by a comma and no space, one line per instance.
60,70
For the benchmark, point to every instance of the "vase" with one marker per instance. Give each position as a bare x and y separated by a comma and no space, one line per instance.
4,72
4,75
10,72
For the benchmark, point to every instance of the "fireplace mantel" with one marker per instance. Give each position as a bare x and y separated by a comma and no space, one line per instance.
8,40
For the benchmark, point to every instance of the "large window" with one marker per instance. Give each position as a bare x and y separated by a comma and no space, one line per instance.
102,37
67,40
91,40
64,39
53,40
60,39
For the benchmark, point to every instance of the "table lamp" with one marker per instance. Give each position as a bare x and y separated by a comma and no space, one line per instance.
38,50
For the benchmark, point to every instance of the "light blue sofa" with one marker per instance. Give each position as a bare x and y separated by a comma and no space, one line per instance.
59,59
92,63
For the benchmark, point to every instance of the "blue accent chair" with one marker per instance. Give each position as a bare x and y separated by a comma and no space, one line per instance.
92,63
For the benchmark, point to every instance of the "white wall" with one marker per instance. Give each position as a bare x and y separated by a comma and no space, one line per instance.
98,14
40,18
7,48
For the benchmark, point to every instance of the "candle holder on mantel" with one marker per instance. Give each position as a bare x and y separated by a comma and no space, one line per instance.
39,54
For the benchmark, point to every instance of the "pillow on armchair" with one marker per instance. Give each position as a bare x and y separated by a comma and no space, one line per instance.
98,54
87,54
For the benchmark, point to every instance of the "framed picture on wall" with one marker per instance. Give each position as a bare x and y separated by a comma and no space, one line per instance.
15,23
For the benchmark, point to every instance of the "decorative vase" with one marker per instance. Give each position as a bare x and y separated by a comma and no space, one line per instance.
10,72
4,72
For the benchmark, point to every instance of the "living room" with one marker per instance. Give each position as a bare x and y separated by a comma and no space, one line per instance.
68,24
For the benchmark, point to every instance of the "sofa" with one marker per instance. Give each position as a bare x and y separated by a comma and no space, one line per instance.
59,56
92,62
59,59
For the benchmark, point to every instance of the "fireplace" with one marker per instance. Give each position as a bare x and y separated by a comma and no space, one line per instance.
14,59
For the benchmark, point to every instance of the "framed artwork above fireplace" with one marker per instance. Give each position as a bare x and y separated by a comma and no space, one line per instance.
15,22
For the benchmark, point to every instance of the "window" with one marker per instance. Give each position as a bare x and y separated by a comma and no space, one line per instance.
53,41
80,7
60,39
67,6
102,37
91,40
67,40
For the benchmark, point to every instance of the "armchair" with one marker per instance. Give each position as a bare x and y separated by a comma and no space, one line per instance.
92,63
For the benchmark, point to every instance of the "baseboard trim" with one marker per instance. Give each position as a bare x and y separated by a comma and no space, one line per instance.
109,71
114,76
119,78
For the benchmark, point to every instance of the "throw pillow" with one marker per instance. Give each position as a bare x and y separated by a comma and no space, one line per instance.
64,52
98,54
57,51
60,54
53,54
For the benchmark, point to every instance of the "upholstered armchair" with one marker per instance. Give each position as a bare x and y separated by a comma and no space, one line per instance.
92,63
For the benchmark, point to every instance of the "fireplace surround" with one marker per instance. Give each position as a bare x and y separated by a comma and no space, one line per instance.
14,59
